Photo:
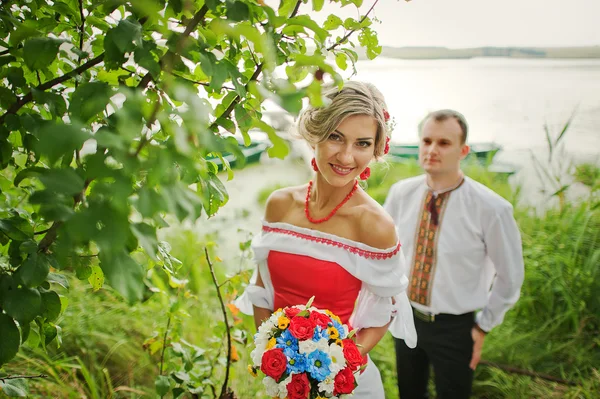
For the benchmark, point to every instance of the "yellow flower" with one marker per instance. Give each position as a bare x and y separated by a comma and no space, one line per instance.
283,322
334,317
338,342
272,342
252,370
333,332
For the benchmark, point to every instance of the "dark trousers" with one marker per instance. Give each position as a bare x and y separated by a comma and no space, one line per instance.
447,345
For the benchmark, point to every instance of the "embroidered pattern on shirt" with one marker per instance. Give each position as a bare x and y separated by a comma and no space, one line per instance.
355,250
425,253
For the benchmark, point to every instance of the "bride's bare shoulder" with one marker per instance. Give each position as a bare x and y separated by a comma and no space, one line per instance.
377,228
281,201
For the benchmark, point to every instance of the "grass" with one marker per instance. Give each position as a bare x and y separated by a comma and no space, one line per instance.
553,329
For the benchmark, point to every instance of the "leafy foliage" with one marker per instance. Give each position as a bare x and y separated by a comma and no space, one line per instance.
108,111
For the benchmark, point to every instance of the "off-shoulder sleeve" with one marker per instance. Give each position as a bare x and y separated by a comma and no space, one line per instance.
383,298
255,295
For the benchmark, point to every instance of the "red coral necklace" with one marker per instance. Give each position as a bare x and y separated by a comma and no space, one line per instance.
326,218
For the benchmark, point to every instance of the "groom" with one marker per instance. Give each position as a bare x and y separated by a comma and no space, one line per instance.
464,251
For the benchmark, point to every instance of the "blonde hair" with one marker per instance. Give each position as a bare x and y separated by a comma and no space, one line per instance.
355,98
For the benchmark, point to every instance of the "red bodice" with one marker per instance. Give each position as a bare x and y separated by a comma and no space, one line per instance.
296,278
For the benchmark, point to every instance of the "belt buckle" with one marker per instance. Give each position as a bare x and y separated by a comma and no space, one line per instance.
424,316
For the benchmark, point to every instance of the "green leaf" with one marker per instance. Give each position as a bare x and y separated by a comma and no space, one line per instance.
34,270
280,148
51,305
22,304
59,279
16,228
11,339
341,60
332,22
15,388
146,236
146,60
57,139
62,181
89,100
56,103
39,52
307,22
237,11
7,97
318,5
162,385
23,32
15,77
96,278
124,274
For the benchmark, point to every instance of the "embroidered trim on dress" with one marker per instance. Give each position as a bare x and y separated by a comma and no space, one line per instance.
327,241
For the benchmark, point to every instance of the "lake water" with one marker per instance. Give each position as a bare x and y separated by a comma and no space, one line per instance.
504,100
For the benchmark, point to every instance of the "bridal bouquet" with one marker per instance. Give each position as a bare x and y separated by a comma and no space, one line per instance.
306,353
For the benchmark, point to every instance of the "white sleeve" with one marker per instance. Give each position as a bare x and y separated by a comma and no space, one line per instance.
255,295
376,311
503,245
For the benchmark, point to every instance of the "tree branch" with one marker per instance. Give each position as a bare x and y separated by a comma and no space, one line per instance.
224,388
51,83
15,377
188,30
50,236
343,39
254,76
81,35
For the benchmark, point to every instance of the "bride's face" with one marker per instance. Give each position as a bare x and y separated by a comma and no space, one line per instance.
347,150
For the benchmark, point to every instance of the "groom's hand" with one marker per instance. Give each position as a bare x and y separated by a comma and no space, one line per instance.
478,336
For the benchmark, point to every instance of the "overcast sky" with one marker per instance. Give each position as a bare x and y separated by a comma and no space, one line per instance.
473,23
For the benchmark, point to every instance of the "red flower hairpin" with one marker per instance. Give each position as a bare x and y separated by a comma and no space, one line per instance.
386,115
387,146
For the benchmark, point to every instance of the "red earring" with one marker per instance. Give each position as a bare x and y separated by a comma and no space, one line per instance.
365,174
314,165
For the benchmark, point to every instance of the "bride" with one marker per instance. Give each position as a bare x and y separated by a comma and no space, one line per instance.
329,239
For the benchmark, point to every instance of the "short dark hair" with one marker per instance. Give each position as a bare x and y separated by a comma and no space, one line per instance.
443,114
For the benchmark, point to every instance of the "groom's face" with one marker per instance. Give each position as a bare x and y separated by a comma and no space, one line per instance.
441,148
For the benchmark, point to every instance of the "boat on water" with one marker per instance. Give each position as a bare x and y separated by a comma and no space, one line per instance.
252,154
483,151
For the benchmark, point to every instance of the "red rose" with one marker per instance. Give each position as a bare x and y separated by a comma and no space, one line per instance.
319,319
386,115
299,387
302,328
273,363
343,382
291,312
352,355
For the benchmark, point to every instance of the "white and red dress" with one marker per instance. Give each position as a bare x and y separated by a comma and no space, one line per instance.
353,280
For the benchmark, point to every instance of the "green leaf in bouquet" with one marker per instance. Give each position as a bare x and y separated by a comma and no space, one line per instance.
351,334
310,302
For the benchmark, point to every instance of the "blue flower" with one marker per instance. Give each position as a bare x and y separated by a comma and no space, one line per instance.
288,342
320,333
297,363
318,365
340,329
